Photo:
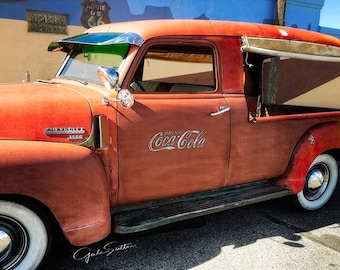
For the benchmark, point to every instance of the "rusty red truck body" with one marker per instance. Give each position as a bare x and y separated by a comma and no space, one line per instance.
152,122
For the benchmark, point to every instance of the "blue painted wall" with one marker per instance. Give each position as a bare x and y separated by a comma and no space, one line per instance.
16,9
303,14
127,10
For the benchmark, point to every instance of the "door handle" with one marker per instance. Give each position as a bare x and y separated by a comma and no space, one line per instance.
222,109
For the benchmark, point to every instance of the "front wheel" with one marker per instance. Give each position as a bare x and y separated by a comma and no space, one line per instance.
23,237
321,180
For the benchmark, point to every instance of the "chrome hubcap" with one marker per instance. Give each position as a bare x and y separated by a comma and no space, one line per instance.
317,181
5,245
13,242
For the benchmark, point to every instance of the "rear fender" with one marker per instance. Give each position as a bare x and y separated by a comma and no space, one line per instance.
69,179
317,140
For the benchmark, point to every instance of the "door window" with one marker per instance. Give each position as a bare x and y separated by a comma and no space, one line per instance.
176,69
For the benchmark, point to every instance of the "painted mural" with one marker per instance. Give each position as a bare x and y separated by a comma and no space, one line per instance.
92,12
89,13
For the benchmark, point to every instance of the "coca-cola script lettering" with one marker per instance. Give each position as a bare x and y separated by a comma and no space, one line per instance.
172,140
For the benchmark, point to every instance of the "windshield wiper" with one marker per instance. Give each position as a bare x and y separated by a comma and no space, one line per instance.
45,81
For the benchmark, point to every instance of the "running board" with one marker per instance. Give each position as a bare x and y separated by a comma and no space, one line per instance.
131,219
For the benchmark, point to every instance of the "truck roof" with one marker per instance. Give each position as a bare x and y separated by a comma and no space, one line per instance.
154,28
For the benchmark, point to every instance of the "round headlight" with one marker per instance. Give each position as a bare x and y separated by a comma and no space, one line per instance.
126,98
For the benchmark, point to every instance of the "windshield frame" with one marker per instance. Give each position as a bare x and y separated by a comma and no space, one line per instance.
82,63
74,67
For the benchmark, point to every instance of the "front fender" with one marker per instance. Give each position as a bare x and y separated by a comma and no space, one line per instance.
317,140
69,179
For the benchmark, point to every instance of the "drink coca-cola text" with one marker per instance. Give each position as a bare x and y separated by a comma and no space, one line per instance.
172,140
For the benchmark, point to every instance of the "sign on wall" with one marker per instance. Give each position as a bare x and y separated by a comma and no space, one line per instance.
46,22
94,13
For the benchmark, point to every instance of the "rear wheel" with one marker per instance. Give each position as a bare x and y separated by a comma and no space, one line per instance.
320,184
23,237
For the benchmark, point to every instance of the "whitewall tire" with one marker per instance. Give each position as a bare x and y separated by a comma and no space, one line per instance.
321,180
23,237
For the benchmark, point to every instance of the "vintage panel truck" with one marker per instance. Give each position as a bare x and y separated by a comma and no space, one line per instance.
152,122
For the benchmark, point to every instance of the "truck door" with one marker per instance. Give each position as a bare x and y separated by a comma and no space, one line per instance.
175,139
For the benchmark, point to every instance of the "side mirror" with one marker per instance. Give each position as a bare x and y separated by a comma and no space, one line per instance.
109,77
125,98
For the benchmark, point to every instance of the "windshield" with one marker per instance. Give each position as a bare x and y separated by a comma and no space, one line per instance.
83,62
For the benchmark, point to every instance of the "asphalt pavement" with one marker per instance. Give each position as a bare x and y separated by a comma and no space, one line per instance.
269,235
